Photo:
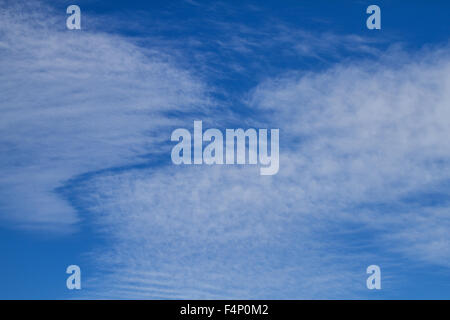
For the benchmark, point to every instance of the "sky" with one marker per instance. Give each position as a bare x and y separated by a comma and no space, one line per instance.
86,176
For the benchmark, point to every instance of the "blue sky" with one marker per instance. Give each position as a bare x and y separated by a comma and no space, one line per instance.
85,170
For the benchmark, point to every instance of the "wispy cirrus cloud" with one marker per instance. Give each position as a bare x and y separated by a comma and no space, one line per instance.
370,136
74,102
358,139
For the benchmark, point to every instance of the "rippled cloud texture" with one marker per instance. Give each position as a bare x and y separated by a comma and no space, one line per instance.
363,179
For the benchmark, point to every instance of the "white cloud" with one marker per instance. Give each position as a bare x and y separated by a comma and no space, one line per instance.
208,232
74,102
352,137
371,133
